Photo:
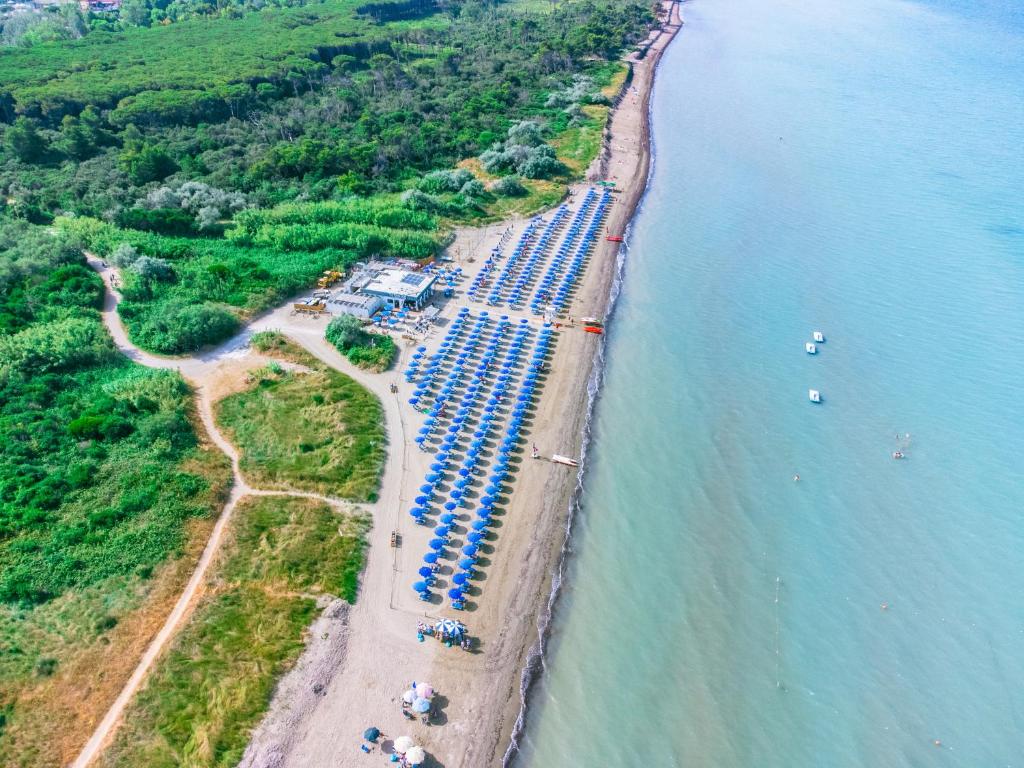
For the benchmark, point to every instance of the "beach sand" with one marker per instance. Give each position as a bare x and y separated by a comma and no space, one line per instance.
359,662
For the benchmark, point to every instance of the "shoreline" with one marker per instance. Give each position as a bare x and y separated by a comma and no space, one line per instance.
609,284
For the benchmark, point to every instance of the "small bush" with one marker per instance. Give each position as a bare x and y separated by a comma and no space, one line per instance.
509,186
46,666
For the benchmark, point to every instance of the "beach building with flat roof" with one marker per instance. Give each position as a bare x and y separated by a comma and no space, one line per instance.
355,304
399,287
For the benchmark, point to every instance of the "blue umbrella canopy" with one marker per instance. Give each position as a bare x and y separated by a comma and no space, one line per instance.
430,557
433,477
469,549
421,586
436,544
455,593
427,488
467,563
448,518
425,571
421,500
475,537
417,512
442,530
481,524
460,578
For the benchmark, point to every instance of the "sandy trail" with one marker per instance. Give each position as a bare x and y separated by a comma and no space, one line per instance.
197,370
370,654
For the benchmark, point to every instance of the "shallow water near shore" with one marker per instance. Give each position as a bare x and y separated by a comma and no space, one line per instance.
853,168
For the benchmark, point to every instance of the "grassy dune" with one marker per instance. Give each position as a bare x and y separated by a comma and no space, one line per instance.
211,688
310,429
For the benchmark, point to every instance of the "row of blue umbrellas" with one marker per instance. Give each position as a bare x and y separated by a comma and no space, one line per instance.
462,359
492,261
512,266
439,544
538,250
561,295
543,291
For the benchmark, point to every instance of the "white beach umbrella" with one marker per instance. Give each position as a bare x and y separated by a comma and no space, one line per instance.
425,690
403,744
448,627
415,755
409,696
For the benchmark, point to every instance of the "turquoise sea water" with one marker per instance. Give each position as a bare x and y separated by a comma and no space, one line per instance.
856,168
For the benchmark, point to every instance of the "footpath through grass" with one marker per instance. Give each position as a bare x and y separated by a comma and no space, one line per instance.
310,429
282,556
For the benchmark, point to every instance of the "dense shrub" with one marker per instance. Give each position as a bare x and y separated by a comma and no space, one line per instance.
508,186
62,345
445,181
168,221
374,351
181,328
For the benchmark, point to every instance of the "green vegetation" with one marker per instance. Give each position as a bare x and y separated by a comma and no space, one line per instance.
89,485
311,428
101,478
373,351
320,100
215,682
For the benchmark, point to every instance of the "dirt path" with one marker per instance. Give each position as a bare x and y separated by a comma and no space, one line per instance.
197,370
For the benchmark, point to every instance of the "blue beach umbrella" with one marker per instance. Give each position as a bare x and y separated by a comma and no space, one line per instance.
447,518
481,524
442,530
460,578
430,557
474,537
425,571
469,549
421,586
455,594
436,544
427,488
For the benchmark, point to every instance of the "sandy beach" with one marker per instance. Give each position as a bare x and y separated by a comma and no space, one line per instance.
365,660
